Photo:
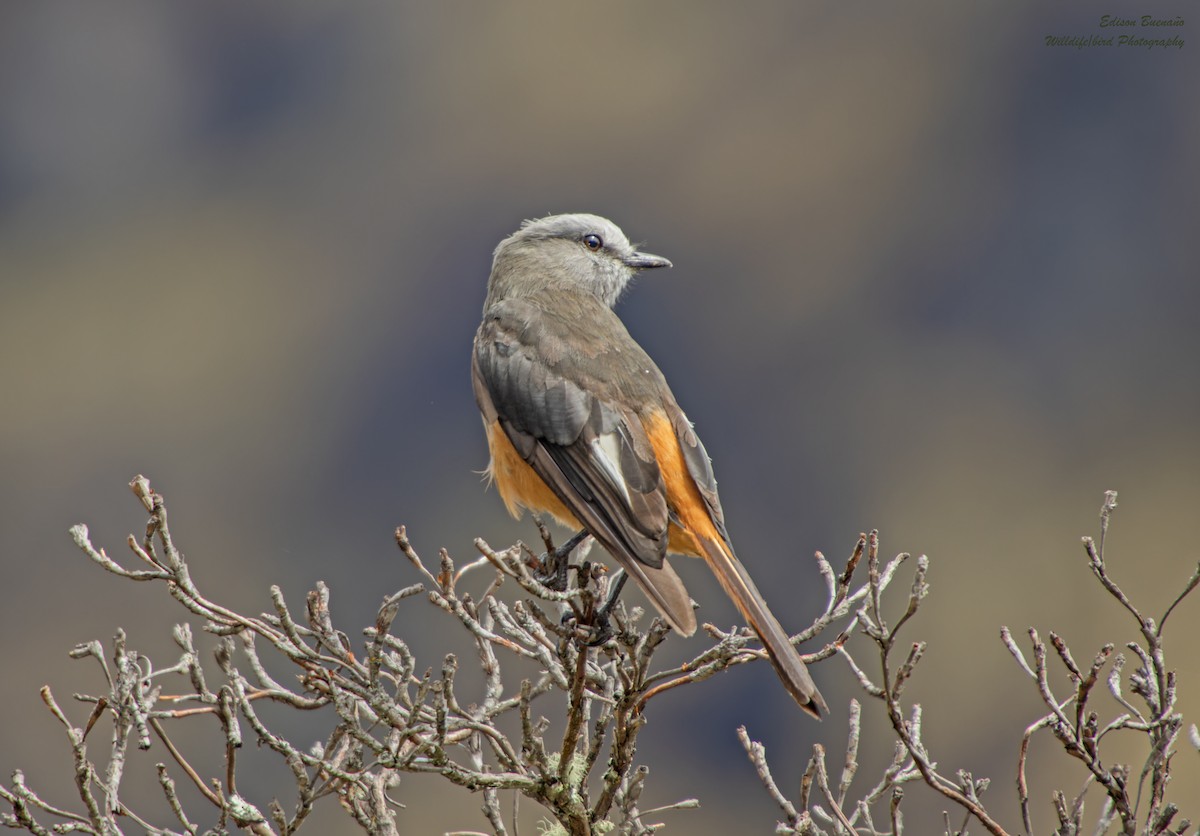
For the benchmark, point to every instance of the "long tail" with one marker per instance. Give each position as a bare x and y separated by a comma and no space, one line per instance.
745,595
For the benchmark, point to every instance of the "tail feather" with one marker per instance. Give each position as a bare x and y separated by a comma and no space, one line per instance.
665,590
745,595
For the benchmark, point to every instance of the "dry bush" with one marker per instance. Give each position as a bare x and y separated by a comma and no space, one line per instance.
595,679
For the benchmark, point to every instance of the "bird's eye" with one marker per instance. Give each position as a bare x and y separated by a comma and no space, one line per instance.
592,242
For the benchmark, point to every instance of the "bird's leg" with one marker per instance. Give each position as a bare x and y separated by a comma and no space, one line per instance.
600,621
556,561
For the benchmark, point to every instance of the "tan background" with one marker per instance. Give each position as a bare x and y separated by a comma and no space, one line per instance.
931,276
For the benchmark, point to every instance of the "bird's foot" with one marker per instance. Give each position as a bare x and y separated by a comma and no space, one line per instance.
598,629
601,621
553,564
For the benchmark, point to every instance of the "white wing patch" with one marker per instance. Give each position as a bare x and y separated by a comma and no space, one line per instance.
607,452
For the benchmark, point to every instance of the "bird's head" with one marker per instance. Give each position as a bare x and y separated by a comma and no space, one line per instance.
577,252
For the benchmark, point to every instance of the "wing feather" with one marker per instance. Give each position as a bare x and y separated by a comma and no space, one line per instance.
588,448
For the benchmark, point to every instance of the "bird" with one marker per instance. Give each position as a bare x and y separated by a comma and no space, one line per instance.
582,425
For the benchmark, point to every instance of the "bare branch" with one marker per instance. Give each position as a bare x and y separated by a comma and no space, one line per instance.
385,718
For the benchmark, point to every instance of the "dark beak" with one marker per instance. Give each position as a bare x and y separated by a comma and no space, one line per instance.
645,261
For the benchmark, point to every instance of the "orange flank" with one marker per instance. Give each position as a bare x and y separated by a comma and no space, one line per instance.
683,497
518,485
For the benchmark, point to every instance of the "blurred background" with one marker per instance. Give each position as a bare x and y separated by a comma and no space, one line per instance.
931,277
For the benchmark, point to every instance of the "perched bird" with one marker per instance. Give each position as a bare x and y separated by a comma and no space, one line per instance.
582,425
